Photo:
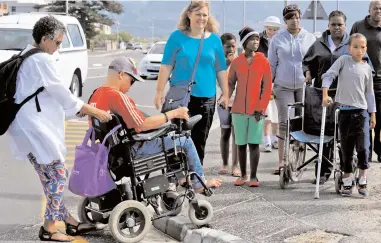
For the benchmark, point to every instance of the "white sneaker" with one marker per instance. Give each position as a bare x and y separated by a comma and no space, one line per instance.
275,144
268,148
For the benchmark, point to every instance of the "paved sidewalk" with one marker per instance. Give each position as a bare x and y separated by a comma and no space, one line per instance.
270,214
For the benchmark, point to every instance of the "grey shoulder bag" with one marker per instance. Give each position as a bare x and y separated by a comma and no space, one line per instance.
179,95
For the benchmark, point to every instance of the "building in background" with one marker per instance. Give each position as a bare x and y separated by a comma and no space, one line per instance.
102,29
3,8
26,6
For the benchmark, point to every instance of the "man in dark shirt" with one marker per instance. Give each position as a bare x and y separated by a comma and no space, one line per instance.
370,27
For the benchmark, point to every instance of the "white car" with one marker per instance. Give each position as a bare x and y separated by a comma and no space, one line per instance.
150,64
72,57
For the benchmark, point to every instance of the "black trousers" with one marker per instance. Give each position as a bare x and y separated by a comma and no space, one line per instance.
377,129
200,132
354,127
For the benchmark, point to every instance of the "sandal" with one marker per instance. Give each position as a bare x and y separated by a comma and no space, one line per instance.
223,171
240,181
276,171
45,235
254,183
74,230
236,172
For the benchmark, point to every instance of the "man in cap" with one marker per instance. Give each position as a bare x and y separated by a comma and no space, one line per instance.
122,74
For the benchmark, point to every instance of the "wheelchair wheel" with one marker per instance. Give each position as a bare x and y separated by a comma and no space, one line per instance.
283,178
85,215
338,182
201,218
130,221
296,157
170,201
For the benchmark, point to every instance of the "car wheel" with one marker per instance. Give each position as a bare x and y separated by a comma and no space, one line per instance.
75,86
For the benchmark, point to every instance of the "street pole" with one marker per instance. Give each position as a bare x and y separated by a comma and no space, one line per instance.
315,14
244,13
285,3
153,31
67,7
117,35
337,5
223,16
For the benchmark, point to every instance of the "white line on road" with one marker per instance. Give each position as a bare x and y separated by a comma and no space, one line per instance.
92,68
146,106
97,65
102,76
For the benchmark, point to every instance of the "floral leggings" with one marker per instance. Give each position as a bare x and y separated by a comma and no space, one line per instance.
53,179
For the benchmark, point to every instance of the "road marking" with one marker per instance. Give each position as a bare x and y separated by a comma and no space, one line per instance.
97,65
96,68
147,106
102,76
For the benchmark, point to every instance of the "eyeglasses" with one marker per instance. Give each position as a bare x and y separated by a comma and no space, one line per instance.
292,7
133,80
58,43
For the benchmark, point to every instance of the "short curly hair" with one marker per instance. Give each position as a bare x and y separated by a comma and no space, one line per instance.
48,27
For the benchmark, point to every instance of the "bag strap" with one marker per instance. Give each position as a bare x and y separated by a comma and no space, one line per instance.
110,133
197,58
89,133
39,90
195,68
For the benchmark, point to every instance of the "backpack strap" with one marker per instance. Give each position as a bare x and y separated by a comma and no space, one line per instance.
39,90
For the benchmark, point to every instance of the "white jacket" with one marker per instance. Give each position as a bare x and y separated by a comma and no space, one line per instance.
41,133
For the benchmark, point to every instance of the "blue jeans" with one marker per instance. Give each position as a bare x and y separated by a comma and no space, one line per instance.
156,146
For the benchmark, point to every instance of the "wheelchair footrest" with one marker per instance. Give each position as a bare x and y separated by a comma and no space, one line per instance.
155,185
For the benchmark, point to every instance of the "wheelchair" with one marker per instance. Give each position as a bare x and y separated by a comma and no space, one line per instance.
315,126
148,182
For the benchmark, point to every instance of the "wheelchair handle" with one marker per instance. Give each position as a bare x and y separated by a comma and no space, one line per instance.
297,104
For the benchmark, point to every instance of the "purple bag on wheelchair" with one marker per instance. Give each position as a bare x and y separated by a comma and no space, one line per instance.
90,176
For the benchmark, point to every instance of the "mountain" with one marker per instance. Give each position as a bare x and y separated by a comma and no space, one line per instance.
138,16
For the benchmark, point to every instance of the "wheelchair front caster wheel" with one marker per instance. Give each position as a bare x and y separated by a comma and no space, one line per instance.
87,216
130,222
283,178
338,182
201,215
170,201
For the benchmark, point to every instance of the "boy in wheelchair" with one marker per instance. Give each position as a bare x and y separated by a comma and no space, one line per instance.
111,96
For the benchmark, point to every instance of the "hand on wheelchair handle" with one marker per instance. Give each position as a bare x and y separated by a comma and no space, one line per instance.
179,113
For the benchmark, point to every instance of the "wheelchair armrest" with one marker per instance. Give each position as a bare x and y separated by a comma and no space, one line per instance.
154,133
296,105
188,125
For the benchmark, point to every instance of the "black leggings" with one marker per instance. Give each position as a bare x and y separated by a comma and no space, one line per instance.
254,159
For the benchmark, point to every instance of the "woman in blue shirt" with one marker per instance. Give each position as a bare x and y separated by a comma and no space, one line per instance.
179,57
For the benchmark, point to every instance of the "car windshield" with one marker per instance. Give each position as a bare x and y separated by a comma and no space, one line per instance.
157,49
15,39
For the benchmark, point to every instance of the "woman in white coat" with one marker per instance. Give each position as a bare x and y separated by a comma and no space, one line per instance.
38,135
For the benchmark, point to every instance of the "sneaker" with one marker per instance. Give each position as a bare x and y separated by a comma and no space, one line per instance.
362,187
348,185
275,144
268,148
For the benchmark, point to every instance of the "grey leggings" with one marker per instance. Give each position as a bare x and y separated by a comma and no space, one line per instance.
283,97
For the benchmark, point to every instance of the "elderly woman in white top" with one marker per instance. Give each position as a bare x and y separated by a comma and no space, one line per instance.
39,135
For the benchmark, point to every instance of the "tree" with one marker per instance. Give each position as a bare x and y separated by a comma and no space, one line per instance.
89,13
124,36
